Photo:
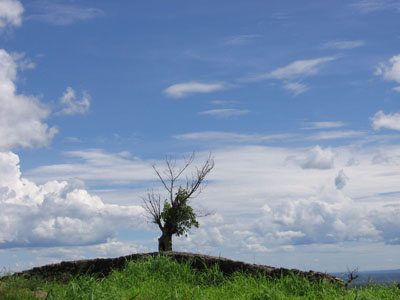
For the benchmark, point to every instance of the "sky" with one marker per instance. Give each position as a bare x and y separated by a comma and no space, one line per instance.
298,102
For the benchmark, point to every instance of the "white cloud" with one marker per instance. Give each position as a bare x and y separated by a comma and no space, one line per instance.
295,87
62,14
224,102
240,39
299,69
341,180
95,166
230,136
35,257
257,248
367,6
55,213
224,112
181,90
21,117
22,62
344,45
391,70
10,13
330,135
389,121
397,89
329,217
262,199
317,158
71,105
293,72
324,125
115,248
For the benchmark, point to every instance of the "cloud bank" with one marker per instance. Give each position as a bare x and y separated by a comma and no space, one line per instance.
55,213
292,196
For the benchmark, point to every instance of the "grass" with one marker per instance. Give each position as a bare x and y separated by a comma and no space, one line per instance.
163,278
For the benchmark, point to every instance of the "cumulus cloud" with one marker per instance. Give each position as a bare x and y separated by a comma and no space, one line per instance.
21,117
341,180
224,112
317,158
343,45
62,14
329,217
390,70
55,213
34,257
71,105
10,13
181,90
389,121
271,203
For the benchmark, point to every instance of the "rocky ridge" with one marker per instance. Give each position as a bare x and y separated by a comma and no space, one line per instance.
103,266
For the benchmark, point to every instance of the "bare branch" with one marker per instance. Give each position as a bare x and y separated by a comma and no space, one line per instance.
188,162
194,184
152,204
161,178
201,213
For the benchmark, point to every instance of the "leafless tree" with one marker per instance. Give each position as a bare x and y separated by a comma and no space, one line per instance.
173,214
351,275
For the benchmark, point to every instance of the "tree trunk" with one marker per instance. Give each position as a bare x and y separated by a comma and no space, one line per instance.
165,242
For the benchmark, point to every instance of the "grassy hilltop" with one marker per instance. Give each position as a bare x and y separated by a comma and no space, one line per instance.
163,277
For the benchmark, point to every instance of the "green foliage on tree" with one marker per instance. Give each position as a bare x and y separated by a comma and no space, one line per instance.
181,216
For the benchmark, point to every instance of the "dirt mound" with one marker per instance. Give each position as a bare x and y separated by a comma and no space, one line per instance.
103,266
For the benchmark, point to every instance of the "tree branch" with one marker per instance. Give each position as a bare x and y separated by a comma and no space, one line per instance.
152,204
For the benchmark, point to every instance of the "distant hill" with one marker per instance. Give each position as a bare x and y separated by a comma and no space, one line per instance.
375,277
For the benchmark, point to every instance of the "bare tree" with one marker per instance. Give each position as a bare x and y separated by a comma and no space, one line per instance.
351,275
173,214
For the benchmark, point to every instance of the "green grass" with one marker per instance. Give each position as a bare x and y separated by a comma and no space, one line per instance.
163,278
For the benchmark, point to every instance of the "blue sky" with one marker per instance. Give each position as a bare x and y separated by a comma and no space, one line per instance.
297,102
